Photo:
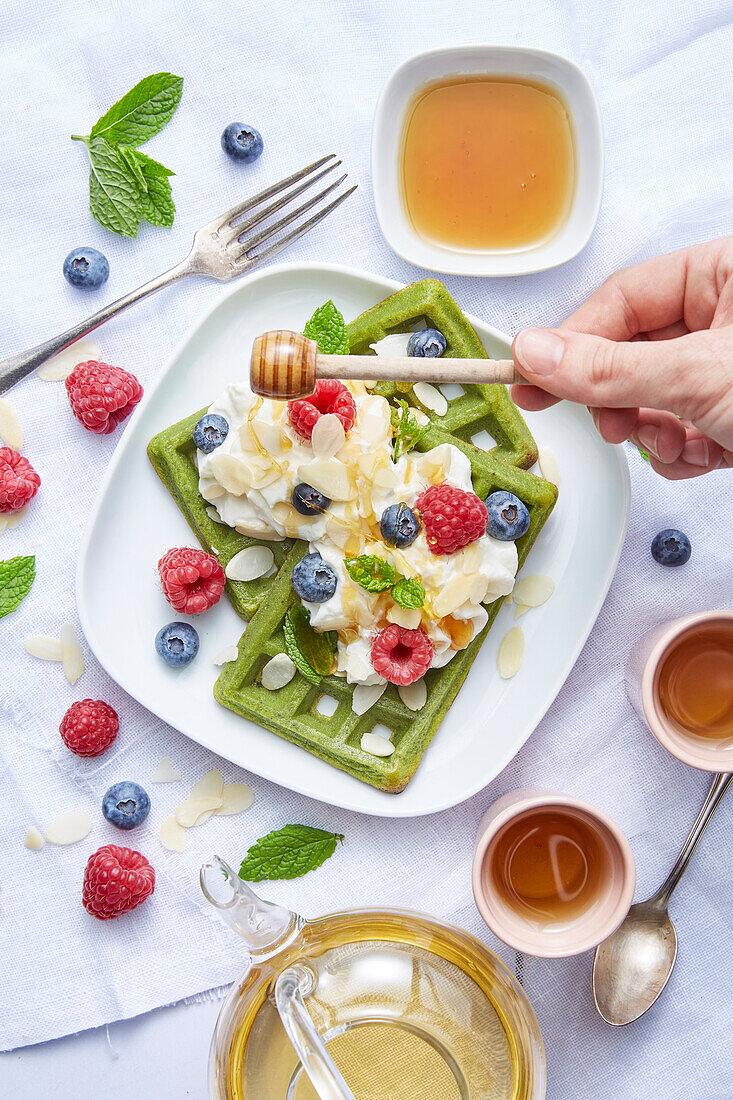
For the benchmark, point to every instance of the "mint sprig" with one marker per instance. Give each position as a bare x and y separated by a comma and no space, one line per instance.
328,328
408,593
405,428
370,572
312,652
126,186
289,852
16,578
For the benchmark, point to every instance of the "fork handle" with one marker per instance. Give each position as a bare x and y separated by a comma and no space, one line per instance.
20,365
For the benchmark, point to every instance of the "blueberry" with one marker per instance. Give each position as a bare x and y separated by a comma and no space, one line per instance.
177,644
87,268
399,525
671,547
126,805
308,501
210,432
242,142
426,343
508,516
313,579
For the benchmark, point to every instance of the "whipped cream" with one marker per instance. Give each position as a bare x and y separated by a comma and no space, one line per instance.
249,480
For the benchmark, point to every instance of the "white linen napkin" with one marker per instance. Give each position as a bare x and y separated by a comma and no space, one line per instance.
308,74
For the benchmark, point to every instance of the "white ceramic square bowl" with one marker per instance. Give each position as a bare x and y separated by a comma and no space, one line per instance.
496,61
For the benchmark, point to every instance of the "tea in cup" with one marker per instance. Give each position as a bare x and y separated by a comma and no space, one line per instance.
552,875
680,680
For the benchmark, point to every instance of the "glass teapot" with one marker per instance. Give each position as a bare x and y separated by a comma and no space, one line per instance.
366,1004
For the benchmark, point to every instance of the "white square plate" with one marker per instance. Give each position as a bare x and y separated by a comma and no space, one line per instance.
135,521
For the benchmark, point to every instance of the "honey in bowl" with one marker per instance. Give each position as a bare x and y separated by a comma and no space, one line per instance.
695,683
549,866
488,163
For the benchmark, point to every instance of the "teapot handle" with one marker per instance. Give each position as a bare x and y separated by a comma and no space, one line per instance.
302,1033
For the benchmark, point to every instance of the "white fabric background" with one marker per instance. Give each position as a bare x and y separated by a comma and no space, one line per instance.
307,73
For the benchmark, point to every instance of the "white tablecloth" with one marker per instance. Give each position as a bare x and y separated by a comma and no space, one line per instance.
307,73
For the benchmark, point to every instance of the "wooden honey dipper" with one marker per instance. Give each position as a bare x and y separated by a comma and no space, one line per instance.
285,366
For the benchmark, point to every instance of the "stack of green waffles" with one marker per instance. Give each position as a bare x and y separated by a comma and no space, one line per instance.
291,712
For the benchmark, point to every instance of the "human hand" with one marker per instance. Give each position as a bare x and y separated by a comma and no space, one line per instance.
651,355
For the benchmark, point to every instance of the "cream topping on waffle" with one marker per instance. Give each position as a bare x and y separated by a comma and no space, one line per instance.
249,480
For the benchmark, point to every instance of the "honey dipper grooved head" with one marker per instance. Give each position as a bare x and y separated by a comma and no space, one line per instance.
283,365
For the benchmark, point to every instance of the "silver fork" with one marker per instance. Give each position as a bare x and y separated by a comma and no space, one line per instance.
218,252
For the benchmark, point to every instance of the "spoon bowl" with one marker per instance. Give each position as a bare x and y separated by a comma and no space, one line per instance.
632,967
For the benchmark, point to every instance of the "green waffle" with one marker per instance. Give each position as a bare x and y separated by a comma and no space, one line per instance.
291,712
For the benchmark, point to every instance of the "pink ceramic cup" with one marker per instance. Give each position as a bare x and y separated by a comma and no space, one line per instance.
587,929
642,676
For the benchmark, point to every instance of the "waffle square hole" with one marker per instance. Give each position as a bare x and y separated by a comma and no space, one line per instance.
382,731
483,440
451,391
326,705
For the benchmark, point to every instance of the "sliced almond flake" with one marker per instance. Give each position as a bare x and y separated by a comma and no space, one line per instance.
235,799
548,465
213,514
533,591
69,828
409,618
250,563
225,655
278,672
33,839
414,696
521,609
41,645
213,492
61,366
195,811
328,476
172,835
510,654
430,397
208,786
231,472
165,772
479,588
452,595
422,418
71,654
328,436
365,696
11,432
376,745
12,519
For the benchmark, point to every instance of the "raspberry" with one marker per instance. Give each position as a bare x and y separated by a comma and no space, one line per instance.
102,396
18,480
330,396
116,880
192,580
89,727
452,518
400,655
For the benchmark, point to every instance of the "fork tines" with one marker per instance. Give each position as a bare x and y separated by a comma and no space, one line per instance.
233,230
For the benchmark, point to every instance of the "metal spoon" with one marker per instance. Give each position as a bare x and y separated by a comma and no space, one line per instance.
632,967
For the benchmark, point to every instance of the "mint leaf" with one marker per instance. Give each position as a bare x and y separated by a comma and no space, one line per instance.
643,454
114,194
157,200
408,593
370,572
289,852
328,328
16,578
142,112
406,429
311,652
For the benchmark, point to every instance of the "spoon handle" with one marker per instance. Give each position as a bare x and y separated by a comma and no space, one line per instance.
718,787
